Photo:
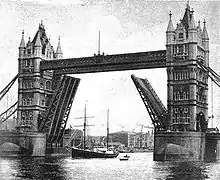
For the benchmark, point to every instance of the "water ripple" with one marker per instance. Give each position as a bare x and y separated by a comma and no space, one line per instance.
139,167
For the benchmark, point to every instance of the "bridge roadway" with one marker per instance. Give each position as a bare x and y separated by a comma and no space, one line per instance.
104,63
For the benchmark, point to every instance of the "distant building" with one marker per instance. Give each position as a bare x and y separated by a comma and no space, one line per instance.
121,137
133,139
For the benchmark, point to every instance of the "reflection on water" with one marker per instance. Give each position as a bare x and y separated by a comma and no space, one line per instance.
139,166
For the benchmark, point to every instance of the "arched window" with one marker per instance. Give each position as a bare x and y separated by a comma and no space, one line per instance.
23,115
185,110
181,35
178,96
30,115
24,102
48,85
180,48
42,85
174,96
28,101
176,110
184,95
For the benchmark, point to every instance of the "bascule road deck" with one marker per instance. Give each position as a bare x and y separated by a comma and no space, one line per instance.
104,63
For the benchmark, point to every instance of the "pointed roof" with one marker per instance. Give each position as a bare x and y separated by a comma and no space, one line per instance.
170,24
192,21
41,36
59,50
199,27
204,32
29,42
186,17
22,43
187,5
38,40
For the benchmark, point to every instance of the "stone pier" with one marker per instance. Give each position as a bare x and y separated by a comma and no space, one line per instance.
24,144
169,146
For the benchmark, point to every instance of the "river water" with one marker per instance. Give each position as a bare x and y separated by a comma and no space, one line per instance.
139,166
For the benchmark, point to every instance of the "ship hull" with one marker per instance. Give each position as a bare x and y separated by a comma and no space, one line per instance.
80,153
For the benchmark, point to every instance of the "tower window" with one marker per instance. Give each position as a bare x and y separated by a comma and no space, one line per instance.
29,51
185,110
178,96
24,101
42,85
184,95
48,85
180,48
23,116
176,110
180,35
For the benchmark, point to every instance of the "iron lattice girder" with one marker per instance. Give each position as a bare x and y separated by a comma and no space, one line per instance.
8,113
55,119
103,63
73,135
211,73
6,89
152,102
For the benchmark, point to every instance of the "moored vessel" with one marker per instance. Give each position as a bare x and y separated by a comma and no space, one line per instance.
95,152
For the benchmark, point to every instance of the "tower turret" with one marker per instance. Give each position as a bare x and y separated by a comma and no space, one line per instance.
34,88
192,35
187,84
59,53
205,43
170,31
22,46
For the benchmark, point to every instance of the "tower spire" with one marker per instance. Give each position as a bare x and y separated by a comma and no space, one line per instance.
59,52
192,21
22,43
187,5
204,32
170,24
99,44
41,25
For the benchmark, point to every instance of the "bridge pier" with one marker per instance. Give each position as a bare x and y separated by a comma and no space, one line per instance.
23,144
212,148
190,146
169,146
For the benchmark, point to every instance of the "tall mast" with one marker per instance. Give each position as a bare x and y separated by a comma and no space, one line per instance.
84,129
99,44
212,102
107,127
85,117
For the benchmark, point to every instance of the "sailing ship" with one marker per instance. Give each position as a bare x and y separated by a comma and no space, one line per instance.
95,152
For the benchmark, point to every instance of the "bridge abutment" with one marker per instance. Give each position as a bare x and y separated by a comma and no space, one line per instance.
169,146
212,147
23,144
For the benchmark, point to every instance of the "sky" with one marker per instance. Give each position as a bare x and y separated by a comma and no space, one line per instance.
126,26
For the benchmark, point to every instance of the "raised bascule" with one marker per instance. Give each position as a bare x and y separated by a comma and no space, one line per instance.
46,93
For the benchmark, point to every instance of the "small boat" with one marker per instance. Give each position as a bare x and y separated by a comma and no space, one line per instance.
96,152
124,158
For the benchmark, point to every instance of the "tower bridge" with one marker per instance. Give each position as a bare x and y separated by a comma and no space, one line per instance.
46,93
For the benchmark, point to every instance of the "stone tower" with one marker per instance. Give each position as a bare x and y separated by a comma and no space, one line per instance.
187,83
34,87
